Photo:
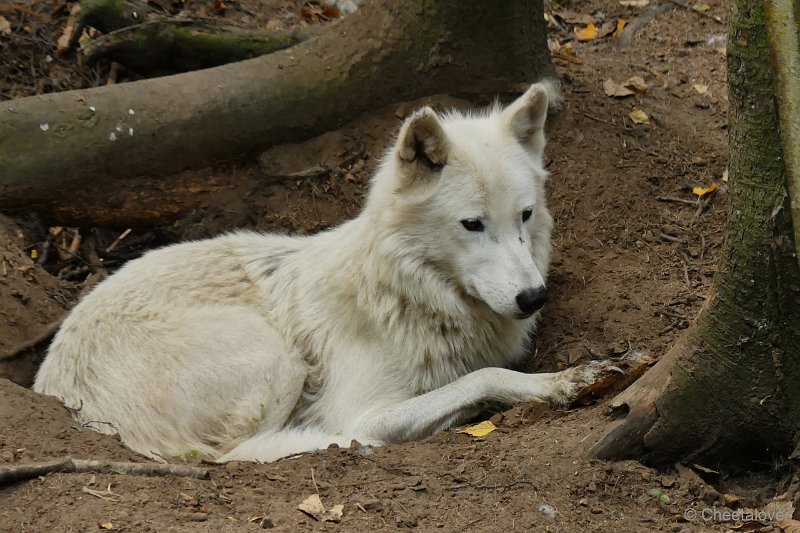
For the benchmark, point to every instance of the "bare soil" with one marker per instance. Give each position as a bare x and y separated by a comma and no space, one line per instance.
630,271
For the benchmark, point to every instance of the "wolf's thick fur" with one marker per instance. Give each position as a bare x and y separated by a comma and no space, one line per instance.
389,327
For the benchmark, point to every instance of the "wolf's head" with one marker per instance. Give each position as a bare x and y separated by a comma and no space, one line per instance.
466,193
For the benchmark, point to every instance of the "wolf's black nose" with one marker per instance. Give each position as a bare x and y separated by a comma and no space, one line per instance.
531,300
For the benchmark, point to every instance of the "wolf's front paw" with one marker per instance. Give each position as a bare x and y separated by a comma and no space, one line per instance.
573,380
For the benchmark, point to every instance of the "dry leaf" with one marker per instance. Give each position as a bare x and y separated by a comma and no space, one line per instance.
331,11
615,90
638,116
634,3
748,525
627,88
725,176
636,83
313,15
312,506
789,525
731,500
606,29
700,88
5,26
620,24
586,34
571,17
106,525
700,8
479,430
334,514
778,509
702,191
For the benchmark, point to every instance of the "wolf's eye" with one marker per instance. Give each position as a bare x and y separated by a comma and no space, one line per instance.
472,224
526,215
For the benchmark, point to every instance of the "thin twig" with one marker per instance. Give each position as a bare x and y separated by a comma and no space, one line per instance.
51,328
9,7
676,200
567,58
118,240
663,79
314,481
587,115
48,332
671,238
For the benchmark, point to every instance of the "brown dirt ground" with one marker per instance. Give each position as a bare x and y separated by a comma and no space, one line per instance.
629,272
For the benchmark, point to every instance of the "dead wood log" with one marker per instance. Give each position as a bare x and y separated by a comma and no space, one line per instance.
109,15
169,46
86,141
18,472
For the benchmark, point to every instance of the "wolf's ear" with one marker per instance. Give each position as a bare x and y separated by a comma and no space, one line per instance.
525,118
422,147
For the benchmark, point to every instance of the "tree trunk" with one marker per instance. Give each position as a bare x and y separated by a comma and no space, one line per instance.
729,390
388,51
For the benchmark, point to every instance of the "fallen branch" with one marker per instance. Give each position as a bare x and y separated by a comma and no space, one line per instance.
625,37
178,45
13,473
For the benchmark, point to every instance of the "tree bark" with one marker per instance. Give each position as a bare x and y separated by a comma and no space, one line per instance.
729,390
385,52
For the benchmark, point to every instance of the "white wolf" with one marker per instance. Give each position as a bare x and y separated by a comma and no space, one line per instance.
388,328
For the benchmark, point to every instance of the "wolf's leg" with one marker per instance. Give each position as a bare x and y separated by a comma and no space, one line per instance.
271,445
439,409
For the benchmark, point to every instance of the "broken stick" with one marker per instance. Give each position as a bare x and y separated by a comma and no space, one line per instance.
12,473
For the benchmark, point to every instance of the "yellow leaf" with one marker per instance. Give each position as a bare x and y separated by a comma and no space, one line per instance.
725,176
702,191
639,117
106,525
700,88
479,430
587,34
34,254
620,24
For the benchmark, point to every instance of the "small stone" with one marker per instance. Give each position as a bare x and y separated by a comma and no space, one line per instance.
372,505
266,523
548,510
195,517
618,347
